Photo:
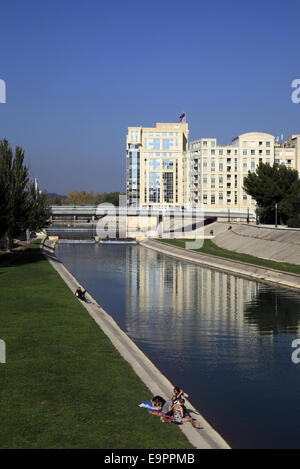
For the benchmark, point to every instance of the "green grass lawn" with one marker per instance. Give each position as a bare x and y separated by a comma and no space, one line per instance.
64,385
211,248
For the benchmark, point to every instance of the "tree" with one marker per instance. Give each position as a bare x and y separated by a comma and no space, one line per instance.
270,185
21,207
40,211
17,179
4,189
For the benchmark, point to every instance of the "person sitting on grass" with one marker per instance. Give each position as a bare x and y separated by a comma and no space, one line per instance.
180,415
167,408
178,393
80,294
158,402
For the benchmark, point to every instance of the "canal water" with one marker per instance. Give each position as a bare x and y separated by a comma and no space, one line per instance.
225,340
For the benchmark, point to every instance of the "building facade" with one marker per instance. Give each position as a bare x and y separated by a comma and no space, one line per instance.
155,158
163,171
217,172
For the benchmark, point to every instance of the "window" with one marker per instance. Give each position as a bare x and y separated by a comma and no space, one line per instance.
220,166
168,144
252,152
268,152
213,152
220,152
268,144
154,187
244,152
154,163
154,144
168,187
228,152
167,164
204,143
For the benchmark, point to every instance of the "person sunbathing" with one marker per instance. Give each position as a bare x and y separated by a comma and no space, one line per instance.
158,402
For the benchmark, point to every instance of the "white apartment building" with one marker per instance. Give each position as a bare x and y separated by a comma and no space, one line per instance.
216,172
163,171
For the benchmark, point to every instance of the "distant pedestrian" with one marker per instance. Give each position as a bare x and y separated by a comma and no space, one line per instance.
80,294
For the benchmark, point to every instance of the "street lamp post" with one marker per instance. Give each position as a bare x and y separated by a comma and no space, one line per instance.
276,215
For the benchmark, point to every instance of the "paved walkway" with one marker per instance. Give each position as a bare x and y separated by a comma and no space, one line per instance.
206,437
241,269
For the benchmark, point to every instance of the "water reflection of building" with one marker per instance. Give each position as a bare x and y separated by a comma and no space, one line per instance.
182,307
154,278
187,310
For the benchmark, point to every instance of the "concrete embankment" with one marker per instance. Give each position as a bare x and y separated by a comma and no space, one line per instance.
241,269
281,245
158,384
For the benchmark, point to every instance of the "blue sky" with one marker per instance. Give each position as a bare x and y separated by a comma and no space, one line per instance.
79,73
